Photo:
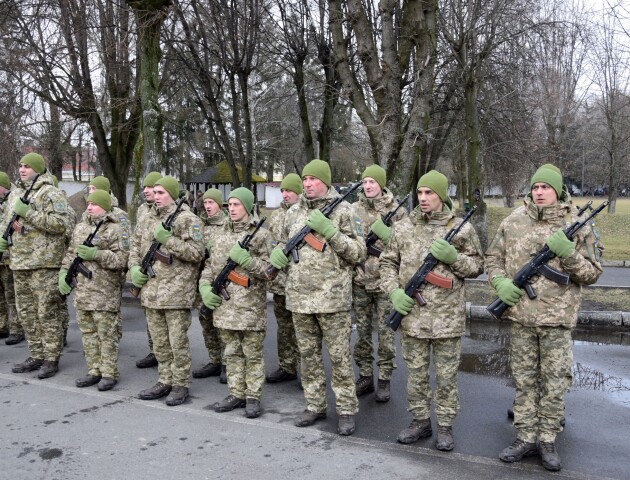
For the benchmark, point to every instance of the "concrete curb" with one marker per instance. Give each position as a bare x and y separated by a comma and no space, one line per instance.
616,263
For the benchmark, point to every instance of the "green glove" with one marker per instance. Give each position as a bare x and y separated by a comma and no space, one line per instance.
209,246
402,302
138,278
240,256
210,299
443,251
381,230
318,222
64,288
161,234
559,244
21,208
86,253
506,290
4,245
278,259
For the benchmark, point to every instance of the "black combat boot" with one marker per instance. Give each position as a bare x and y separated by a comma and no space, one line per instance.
4,333
106,383
147,362
228,404
87,381
549,456
223,375
445,441
156,391
252,408
177,396
382,394
416,430
364,385
48,369
27,365
308,418
14,339
346,425
208,370
518,450
280,375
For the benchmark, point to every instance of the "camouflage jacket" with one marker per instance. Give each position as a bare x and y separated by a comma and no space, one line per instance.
42,243
4,259
276,223
211,228
247,307
103,292
444,315
521,235
174,285
322,281
143,209
369,211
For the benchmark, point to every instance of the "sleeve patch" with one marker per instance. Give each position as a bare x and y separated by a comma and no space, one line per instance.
124,241
358,225
197,235
60,206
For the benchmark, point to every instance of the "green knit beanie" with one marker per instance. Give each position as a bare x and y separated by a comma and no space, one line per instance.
377,173
318,169
214,194
4,181
436,182
245,196
170,184
102,198
101,183
549,174
293,183
35,161
150,179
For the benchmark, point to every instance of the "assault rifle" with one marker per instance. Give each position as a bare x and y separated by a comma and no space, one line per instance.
305,235
426,275
154,253
77,266
11,227
227,274
371,238
538,265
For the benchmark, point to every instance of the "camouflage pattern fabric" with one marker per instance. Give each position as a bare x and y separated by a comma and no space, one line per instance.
334,330
276,224
370,310
8,313
539,355
101,333
211,337
244,362
4,258
36,295
446,353
143,209
62,307
169,331
288,352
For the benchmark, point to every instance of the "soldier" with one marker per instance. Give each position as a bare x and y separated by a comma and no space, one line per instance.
288,353
213,219
10,326
147,190
169,296
541,327
439,325
102,183
374,202
319,295
38,246
97,300
243,320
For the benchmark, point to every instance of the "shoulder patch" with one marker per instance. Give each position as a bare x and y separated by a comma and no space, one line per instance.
124,241
196,233
60,206
358,225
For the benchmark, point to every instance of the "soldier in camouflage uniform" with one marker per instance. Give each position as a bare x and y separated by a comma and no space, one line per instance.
213,219
38,247
169,296
288,353
541,327
243,319
374,202
10,326
439,325
319,295
149,205
97,300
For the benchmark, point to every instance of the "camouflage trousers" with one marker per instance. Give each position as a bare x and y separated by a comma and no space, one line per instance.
37,303
540,362
417,355
244,362
169,331
334,330
101,332
8,313
211,336
366,304
64,316
288,353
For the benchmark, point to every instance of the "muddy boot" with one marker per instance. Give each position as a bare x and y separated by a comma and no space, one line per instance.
14,339
106,383
252,408
308,418
208,370
177,396
346,425
27,365
48,369
156,391
445,441
382,394
87,381
364,385
223,375
228,404
280,375
549,456
416,430
518,450
147,362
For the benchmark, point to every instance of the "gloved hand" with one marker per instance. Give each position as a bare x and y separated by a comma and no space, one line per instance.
559,244
4,245
401,302
443,251
209,246
278,259
210,299
240,255
318,222
86,253
506,290
21,208
138,278
381,230
64,288
161,234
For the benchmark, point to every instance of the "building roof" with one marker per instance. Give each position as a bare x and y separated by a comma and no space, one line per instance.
220,174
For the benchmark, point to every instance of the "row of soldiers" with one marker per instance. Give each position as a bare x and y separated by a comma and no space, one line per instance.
312,297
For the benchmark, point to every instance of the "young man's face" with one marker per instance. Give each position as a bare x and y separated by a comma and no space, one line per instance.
314,188
211,207
543,194
161,196
26,172
94,210
429,200
288,196
148,194
236,210
91,189
371,188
